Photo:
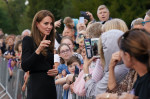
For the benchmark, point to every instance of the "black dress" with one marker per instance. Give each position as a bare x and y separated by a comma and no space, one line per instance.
142,87
40,85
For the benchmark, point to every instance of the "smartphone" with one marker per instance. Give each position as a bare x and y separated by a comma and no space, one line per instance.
81,19
88,48
94,44
84,14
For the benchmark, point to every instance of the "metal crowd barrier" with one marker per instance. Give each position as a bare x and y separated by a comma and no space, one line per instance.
10,87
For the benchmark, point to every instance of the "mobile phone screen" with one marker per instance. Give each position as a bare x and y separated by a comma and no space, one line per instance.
81,19
88,47
94,44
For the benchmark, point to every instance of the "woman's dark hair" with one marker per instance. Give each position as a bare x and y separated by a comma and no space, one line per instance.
61,59
35,33
17,44
137,43
73,59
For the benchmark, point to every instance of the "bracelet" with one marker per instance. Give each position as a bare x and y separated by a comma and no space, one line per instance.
108,95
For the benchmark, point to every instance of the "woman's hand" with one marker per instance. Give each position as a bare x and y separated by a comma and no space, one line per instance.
52,72
127,96
107,96
87,63
44,43
115,59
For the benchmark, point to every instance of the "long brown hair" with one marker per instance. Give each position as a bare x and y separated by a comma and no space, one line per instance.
35,33
136,42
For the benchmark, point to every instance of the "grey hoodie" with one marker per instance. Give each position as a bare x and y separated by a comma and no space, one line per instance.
110,45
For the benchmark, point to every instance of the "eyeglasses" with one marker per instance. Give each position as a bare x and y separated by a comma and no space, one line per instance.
66,51
143,23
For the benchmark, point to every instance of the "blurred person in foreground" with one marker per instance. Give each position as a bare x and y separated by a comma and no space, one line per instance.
146,22
134,52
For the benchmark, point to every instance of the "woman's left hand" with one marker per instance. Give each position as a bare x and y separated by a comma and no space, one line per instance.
52,72
107,96
128,96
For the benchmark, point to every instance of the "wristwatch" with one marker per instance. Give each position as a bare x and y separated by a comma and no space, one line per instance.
87,76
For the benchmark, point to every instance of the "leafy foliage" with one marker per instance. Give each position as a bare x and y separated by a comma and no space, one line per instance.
15,16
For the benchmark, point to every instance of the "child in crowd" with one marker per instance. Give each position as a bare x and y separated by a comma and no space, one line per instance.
10,53
67,40
71,23
11,65
18,51
72,63
64,52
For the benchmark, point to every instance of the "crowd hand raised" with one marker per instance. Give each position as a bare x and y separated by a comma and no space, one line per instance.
91,15
87,61
127,96
115,59
44,43
57,23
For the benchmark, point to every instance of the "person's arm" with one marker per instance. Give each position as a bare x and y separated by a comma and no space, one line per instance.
60,81
93,88
91,15
66,86
29,57
114,60
25,82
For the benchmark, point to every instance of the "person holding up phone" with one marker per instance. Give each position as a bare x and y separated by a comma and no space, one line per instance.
102,13
134,51
38,57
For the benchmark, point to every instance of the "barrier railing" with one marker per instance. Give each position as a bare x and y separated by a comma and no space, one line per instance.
11,86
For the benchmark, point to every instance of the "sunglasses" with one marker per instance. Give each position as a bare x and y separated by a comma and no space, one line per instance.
144,22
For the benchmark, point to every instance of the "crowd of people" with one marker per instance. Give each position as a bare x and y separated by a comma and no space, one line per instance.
120,69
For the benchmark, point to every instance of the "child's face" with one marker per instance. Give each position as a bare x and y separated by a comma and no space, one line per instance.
65,52
71,67
68,42
83,53
81,44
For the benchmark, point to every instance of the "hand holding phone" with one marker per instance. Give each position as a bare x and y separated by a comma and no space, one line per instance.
85,15
88,48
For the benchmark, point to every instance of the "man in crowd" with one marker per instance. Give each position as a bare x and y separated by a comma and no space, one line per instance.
146,22
102,13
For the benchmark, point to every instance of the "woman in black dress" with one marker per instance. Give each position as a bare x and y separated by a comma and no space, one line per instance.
38,57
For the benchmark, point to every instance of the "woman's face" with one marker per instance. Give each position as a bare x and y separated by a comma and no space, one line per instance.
68,42
45,26
126,59
20,48
10,42
81,44
65,52
83,53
